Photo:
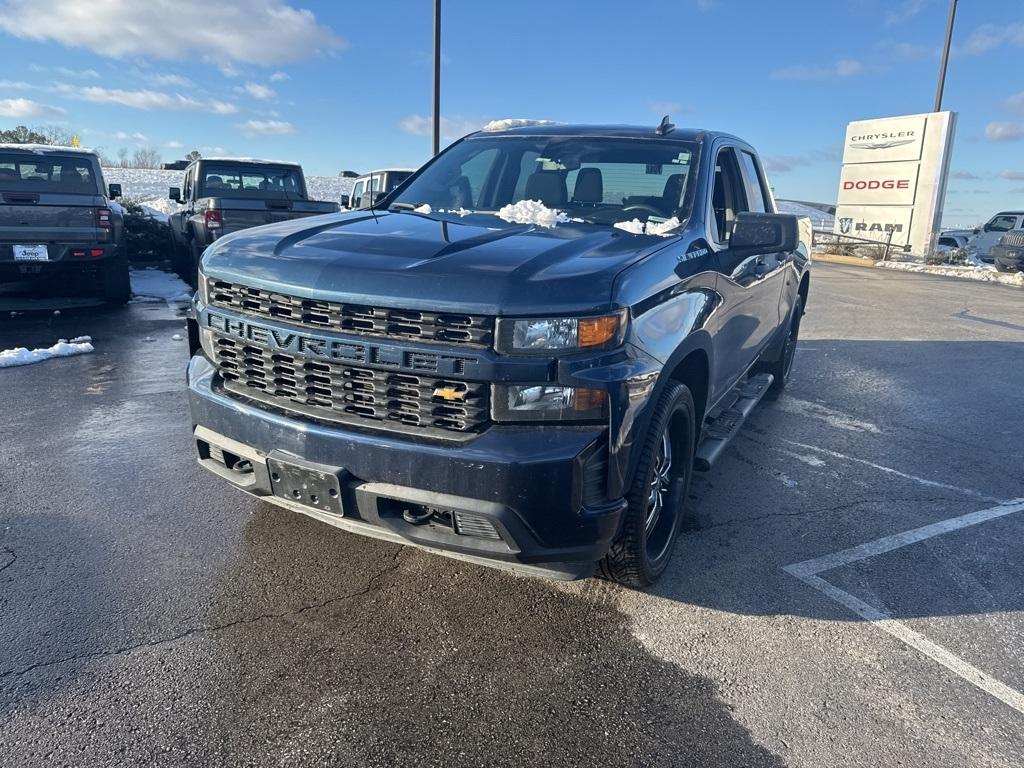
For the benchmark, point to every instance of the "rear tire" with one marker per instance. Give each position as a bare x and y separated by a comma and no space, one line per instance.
781,369
117,281
650,526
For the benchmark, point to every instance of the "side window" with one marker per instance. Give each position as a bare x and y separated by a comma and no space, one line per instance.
357,192
752,183
727,195
189,175
1001,224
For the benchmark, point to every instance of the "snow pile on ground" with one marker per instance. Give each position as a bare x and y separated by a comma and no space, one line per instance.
532,212
660,228
818,217
985,273
515,122
150,184
153,284
160,208
9,358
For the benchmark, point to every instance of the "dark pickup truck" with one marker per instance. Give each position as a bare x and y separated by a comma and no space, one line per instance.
517,358
58,225
224,195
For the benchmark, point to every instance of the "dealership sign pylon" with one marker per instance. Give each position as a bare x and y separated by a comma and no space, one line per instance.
893,182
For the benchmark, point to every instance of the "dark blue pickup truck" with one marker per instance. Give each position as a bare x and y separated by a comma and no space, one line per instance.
518,357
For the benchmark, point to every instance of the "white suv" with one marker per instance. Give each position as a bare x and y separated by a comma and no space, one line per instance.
980,245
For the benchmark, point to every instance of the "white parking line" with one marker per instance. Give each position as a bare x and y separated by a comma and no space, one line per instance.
808,570
891,471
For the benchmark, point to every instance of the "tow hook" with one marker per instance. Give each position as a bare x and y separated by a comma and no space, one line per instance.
242,467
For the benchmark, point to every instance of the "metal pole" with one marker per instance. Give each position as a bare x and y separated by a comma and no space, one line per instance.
437,76
945,55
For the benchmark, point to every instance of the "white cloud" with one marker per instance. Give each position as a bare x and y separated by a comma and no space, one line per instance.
1015,103
168,78
451,127
904,12
842,68
988,37
267,128
280,77
1012,175
1004,131
964,176
138,138
246,31
786,163
258,91
146,99
174,144
22,108
15,85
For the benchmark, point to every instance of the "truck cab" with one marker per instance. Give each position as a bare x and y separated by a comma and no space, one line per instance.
375,184
224,195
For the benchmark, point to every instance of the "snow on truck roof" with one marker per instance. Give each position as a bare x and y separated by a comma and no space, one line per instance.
550,128
254,160
43,149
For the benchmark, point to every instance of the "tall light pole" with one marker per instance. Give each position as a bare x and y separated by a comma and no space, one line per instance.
945,55
437,76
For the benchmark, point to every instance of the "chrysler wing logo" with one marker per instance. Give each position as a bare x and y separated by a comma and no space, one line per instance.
887,144
844,226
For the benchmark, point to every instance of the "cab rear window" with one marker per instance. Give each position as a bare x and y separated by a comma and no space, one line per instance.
49,173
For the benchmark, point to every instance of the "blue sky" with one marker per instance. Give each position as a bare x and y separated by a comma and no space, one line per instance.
347,84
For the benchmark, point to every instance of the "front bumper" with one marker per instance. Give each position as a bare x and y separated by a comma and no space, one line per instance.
1008,257
536,494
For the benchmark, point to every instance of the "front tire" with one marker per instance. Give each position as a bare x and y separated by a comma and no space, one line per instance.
643,548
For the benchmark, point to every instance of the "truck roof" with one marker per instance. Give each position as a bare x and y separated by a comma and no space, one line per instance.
387,170
249,161
614,131
43,149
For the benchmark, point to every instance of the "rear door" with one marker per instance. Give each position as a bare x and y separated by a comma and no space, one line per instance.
750,285
48,199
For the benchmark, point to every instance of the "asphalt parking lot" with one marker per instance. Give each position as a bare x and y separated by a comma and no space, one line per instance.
849,592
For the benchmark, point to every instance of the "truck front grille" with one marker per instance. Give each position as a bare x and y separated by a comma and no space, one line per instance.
341,393
1016,238
441,327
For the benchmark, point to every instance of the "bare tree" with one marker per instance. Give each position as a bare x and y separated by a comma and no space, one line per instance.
56,135
146,157
122,158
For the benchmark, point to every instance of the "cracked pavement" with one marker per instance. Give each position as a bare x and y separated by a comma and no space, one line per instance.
153,616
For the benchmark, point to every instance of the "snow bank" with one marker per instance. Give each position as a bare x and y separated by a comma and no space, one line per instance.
9,358
659,228
532,212
156,285
160,208
818,217
986,273
515,122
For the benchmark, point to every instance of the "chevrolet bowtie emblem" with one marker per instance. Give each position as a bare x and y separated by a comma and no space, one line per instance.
450,393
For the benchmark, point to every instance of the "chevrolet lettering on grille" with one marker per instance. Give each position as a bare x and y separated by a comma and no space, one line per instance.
319,347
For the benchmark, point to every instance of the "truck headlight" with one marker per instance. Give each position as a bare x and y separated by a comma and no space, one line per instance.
544,334
203,288
545,402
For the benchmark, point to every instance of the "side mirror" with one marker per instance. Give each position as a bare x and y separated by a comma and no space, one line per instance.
114,191
174,194
764,233
976,231
374,197
344,201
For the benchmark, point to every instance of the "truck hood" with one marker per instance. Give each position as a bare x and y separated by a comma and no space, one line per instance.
477,263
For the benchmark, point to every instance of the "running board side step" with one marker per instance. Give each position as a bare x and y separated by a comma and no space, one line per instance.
722,427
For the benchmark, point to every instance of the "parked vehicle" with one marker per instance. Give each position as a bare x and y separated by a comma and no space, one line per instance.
374,185
980,244
518,358
952,242
1008,254
58,221
225,195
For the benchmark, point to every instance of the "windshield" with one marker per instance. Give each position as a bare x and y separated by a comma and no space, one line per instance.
260,181
67,174
599,180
